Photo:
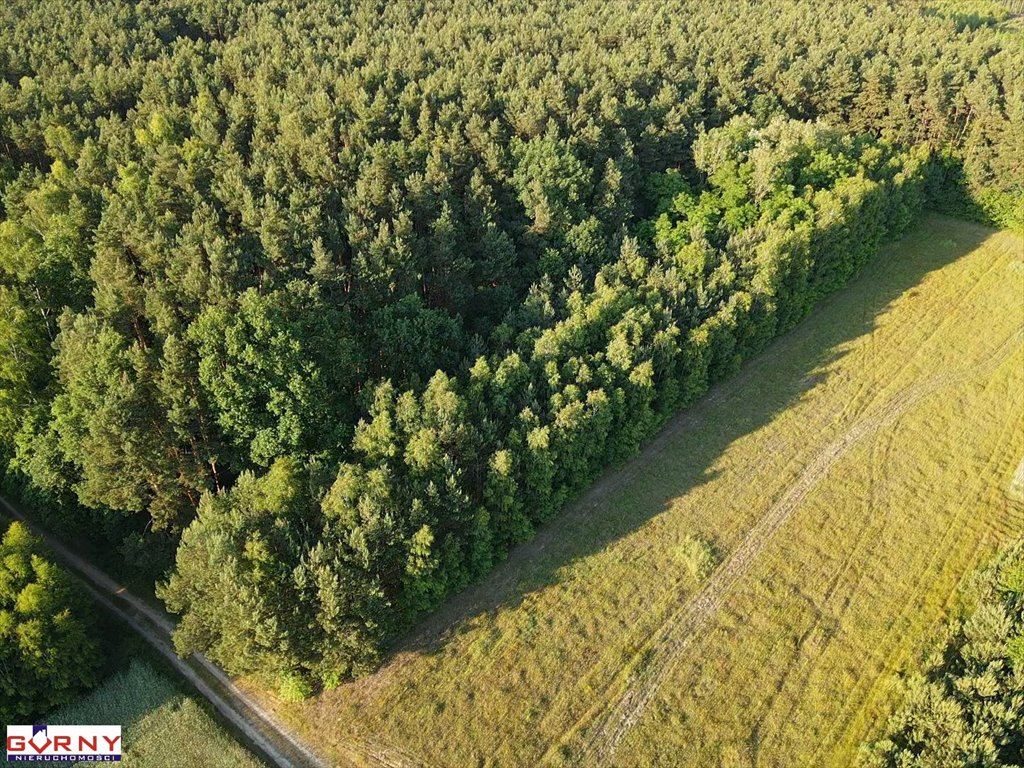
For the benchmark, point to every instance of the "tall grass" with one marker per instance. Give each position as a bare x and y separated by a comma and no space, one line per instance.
161,727
125,697
181,733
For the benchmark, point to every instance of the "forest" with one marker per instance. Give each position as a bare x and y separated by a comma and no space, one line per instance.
310,311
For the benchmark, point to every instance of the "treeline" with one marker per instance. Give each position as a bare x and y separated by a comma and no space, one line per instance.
376,288
304,570
967,706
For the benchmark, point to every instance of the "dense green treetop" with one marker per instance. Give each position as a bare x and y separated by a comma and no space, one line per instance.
967,706
432,266
48,648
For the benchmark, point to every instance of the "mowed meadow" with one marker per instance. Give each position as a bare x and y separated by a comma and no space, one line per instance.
843,483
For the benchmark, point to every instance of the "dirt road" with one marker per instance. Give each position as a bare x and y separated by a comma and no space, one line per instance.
258,726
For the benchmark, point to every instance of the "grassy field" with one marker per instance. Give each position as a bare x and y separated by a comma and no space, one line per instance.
161,727
844,482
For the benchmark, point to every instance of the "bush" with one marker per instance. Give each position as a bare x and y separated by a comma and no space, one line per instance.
967,705
697,556
294,687
48,650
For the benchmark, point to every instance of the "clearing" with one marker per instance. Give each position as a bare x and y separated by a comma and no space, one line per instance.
846,480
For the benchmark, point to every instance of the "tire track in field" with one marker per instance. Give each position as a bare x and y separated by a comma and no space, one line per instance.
837,602
938,555
672,638
831,607
934,558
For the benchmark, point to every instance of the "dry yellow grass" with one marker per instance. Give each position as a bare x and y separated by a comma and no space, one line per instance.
847,479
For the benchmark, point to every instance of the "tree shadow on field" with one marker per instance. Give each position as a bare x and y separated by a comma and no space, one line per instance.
619,502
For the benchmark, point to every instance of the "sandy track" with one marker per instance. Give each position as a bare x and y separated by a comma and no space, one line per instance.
260,727
613,722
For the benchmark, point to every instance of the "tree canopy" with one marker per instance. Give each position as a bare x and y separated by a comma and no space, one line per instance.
345,299
48,649
967,706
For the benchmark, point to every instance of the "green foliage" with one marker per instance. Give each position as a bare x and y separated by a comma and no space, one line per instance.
294,688
108,427
277,369
235,576
971,14
48,653
697,557
967,706
442,481
429,269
